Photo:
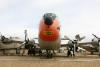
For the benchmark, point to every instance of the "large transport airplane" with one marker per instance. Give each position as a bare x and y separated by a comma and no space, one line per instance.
93,46
49,33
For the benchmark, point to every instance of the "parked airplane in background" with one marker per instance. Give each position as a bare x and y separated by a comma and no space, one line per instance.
9,40
93,46
8,44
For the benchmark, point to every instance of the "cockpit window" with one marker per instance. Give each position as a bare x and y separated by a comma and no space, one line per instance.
50,15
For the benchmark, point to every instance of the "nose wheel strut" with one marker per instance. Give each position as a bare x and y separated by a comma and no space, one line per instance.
49,54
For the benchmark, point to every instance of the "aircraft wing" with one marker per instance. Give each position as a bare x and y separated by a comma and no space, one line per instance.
81,44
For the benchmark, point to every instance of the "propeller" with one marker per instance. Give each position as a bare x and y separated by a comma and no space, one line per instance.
74,43
98,41
78,38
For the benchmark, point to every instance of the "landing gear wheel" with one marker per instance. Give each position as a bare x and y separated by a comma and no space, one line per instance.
49,54
92,53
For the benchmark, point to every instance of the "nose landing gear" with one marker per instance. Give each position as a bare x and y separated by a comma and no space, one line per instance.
49,54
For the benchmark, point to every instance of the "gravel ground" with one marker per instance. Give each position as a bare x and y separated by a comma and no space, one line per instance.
29,61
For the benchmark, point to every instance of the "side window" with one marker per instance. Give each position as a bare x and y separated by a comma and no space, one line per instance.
58,28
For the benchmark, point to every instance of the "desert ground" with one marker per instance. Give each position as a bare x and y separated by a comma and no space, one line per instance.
31,61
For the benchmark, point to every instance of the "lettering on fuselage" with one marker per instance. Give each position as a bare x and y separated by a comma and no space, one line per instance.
48,33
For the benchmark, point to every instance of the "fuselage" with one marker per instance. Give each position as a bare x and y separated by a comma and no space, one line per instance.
49,32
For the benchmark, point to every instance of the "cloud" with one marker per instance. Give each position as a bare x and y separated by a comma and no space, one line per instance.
4,3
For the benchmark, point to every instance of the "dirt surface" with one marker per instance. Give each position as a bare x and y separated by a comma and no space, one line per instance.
30,61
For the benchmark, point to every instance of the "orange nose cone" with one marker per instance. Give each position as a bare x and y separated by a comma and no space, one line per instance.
48,29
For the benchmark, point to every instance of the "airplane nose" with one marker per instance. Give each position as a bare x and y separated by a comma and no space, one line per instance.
48,20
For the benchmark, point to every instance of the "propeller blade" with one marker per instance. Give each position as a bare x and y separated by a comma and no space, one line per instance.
35,38
79,38
95,36
67,38
82,38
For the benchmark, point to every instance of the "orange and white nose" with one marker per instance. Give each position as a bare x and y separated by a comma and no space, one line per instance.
49,28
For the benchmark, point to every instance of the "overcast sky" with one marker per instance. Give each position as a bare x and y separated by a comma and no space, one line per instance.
76,16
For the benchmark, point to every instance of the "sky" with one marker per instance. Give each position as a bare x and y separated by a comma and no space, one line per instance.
76,16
